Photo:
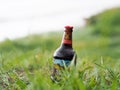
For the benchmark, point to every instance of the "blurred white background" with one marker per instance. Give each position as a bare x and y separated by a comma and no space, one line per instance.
19,18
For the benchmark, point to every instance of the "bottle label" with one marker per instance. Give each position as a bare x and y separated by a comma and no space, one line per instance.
61,62
67,38
67,41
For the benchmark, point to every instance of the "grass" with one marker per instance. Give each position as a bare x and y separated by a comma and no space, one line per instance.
26,63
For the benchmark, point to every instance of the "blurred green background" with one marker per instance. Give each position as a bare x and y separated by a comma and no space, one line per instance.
26,63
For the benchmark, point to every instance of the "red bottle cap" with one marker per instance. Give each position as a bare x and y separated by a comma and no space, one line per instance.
69,27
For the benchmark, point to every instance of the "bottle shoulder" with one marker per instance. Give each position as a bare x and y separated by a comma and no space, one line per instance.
64,53
65,49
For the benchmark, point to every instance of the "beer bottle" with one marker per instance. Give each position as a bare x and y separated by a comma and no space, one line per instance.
64,54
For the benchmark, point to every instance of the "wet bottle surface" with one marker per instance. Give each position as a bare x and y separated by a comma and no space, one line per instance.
64,54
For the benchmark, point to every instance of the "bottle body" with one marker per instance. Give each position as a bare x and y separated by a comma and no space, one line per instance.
64,54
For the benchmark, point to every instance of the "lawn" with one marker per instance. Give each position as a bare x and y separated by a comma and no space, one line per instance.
26,63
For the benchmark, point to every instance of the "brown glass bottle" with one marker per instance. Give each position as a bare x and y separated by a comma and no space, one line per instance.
64,54
65,51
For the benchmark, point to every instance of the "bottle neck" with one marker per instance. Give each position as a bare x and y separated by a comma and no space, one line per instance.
67,38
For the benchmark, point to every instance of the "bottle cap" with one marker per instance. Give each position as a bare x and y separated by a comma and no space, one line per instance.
69,27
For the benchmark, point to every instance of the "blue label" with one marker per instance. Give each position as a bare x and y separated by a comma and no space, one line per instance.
62,62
